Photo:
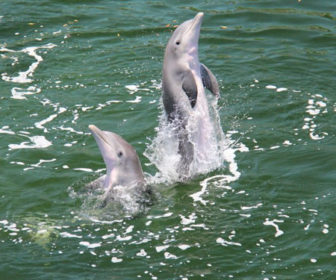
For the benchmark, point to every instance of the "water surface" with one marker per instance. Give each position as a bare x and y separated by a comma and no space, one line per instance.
267,213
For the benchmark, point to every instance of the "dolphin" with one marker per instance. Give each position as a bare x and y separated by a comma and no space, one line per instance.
184,80
123,167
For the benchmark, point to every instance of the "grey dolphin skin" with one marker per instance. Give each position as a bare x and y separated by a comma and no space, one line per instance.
123,166
183,81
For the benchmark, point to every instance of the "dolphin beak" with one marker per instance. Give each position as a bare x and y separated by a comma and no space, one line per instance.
194,29
97,133
95,130
92,127
197,21
199,16
105,146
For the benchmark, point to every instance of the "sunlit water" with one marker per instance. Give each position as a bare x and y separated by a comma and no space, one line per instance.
263,209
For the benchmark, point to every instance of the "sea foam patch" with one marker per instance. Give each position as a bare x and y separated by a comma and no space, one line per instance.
26,76
317,105
36,142
21,93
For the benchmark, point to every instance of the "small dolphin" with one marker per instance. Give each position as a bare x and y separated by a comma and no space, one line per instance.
123,166
183,81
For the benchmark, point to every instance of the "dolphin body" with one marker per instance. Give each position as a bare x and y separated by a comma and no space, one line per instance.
123,167
184,81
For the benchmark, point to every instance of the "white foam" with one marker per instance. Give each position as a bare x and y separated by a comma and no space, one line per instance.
41,124
6,130
17,162
273,223
129,229
274,147
20,93
25,76
83,169
161,248
40,162
90,245
37,142
316,106
306,227
325,231
197,196
132,88
226,243
116,260
287,143
124,238
69,235
190,220
136,100
168,214
103,105
70,129
313,111
168,256
281,89
106,236
321,104
229,156
220,181
142,253
251,207
316,136
12,227
183,247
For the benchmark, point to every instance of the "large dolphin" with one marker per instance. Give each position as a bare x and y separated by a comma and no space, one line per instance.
184,81
123,166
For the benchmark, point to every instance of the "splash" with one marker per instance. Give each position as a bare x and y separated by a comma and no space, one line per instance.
209,146
103,206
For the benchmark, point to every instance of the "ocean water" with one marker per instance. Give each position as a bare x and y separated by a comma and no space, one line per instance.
267,212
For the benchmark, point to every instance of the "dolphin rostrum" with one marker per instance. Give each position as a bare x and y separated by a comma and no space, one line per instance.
123,166
184,81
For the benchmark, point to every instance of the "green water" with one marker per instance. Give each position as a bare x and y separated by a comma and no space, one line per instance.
268,213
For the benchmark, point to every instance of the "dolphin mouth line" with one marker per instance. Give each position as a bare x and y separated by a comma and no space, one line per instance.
96,131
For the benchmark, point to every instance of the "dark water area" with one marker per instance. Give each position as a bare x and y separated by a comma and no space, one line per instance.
267,213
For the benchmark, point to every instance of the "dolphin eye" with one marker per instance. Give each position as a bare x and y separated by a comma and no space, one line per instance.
178,42
120,154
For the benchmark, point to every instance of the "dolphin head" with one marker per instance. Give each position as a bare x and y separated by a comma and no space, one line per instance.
122,163
184,41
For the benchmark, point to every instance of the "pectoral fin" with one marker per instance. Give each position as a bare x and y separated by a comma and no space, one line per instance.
209,80
190,88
